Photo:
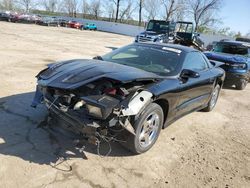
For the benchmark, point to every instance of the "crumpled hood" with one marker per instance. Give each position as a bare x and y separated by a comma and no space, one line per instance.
75,73
226,58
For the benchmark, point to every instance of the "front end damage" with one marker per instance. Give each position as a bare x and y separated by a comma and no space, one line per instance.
104,108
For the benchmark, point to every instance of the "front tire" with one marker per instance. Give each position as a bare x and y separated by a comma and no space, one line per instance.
213,100
242,84
147,128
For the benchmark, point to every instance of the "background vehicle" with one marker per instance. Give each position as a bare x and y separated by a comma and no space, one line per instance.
156,31
89,26
62,22
5,16
131,93
236,59
74,24
185,35
211,46
171,32
26,18
49,21
243,39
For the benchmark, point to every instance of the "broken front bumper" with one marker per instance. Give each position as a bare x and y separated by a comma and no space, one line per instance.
77,121
97,114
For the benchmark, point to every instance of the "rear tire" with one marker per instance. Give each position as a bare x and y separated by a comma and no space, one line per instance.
147,129
213,100
242,84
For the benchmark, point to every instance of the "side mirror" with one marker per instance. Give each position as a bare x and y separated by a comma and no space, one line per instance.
98,57
186,73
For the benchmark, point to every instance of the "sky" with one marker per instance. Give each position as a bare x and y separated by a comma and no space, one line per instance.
236,15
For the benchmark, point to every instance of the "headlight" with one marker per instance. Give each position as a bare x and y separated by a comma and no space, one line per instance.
238,66
94,111
100,106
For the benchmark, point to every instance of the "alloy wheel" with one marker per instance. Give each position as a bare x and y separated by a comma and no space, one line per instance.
149,130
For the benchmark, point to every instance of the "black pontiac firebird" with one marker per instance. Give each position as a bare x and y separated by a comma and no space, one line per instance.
131,93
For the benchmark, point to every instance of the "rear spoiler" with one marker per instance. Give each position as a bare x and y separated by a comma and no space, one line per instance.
216,63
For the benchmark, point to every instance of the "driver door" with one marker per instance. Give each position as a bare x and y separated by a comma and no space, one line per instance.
194,91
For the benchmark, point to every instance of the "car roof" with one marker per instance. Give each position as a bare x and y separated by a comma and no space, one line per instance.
175,46
184,22
158,21
236,43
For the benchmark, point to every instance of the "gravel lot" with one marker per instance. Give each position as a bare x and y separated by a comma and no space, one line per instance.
199,150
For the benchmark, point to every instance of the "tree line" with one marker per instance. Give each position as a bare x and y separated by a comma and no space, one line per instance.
202,12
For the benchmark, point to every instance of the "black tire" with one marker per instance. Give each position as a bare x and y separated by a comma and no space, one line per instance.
133,142
213,100
242,84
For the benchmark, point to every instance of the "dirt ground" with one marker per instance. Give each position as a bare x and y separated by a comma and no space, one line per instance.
200,150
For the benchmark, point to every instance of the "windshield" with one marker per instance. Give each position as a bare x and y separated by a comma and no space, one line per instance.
184,27
162,61
228,48
158,26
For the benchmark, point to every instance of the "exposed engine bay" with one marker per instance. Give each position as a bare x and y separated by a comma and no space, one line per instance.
98,110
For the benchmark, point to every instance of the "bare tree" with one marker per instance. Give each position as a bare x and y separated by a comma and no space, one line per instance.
71,7
27,4
248,34
127,11
152,8
117,4
49,5
95,8
85,7
7,4
203,11
111,12
109,9
173,8
141,4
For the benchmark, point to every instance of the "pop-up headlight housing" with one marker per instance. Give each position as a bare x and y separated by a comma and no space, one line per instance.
100,106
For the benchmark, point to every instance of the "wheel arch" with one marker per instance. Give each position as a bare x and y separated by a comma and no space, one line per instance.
219,81
164,104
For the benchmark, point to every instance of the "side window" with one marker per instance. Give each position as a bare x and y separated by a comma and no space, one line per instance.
194,61
208,62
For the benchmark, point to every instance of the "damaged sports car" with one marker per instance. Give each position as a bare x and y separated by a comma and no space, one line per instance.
130,94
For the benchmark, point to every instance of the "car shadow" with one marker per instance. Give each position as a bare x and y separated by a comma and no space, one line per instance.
24,133
229,87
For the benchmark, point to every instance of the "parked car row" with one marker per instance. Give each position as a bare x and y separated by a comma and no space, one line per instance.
45,21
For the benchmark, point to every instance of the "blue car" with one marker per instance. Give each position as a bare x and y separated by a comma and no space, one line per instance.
236,58
88,26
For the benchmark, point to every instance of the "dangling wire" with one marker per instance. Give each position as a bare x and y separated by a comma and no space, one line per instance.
99,143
